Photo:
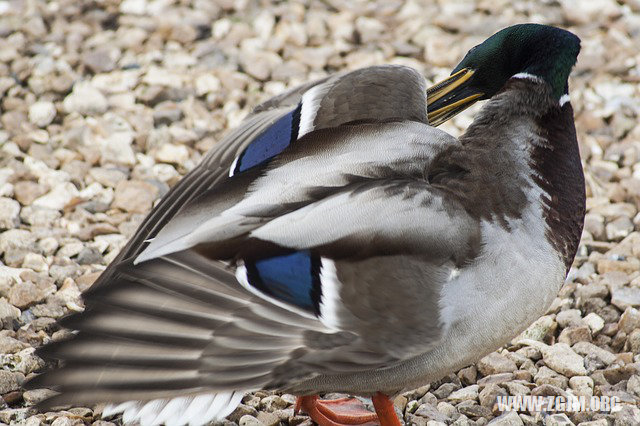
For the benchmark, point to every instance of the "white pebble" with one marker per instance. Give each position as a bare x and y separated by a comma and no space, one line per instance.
42,113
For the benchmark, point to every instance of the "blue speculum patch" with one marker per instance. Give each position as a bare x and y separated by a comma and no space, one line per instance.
271,142
293,278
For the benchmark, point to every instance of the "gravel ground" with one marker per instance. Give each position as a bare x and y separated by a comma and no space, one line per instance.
106,104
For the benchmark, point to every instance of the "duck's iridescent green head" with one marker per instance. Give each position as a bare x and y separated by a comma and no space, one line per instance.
539,50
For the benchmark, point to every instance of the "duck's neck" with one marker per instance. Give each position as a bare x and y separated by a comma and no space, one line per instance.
526,122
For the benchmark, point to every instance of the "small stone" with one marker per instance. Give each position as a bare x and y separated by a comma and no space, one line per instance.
488,396
81,411
207,83
174,154
468,375
570,317
446,409
64,421
619,228
36,262
166,113
241,411
515,388
431,412
107,176
27,191
9,213
542,327
259,63
428,398
417,393
629,320
558,420
573,334
248,420
8,382
495,363
369,29
42,113
465,394
628,415
400,402
634,341
546,376
134,196
39,216
615,279
117,148
300,420
8,312
625,266
633,385
25,294
495,378
564,360
592,290
624,297
15,244
472,409
70,249
595,322
89,256
273,402
32,397
48,310
58,198
9,345
586,348
510,418
49,245
100,60
617,373
548,390
582,385
530,352
594,224
445,390
289,399
86,100
61,272
268,419
599,422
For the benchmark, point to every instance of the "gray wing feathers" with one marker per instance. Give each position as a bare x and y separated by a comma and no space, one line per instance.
123,349
129,353
326,167
373,203
374,94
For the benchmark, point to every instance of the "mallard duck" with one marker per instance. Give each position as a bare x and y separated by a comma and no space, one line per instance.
338,242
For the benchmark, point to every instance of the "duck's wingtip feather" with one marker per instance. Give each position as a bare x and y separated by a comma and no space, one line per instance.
191,410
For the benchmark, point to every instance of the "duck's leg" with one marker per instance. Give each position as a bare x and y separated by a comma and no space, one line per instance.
348,411
385,410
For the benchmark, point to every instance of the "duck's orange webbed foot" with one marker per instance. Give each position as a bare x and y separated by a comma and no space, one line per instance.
348,411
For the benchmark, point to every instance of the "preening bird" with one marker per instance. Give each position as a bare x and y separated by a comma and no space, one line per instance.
338,242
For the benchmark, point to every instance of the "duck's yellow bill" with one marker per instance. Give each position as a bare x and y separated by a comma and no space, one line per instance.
451,96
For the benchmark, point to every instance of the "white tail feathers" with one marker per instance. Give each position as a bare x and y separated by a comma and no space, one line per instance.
191,410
